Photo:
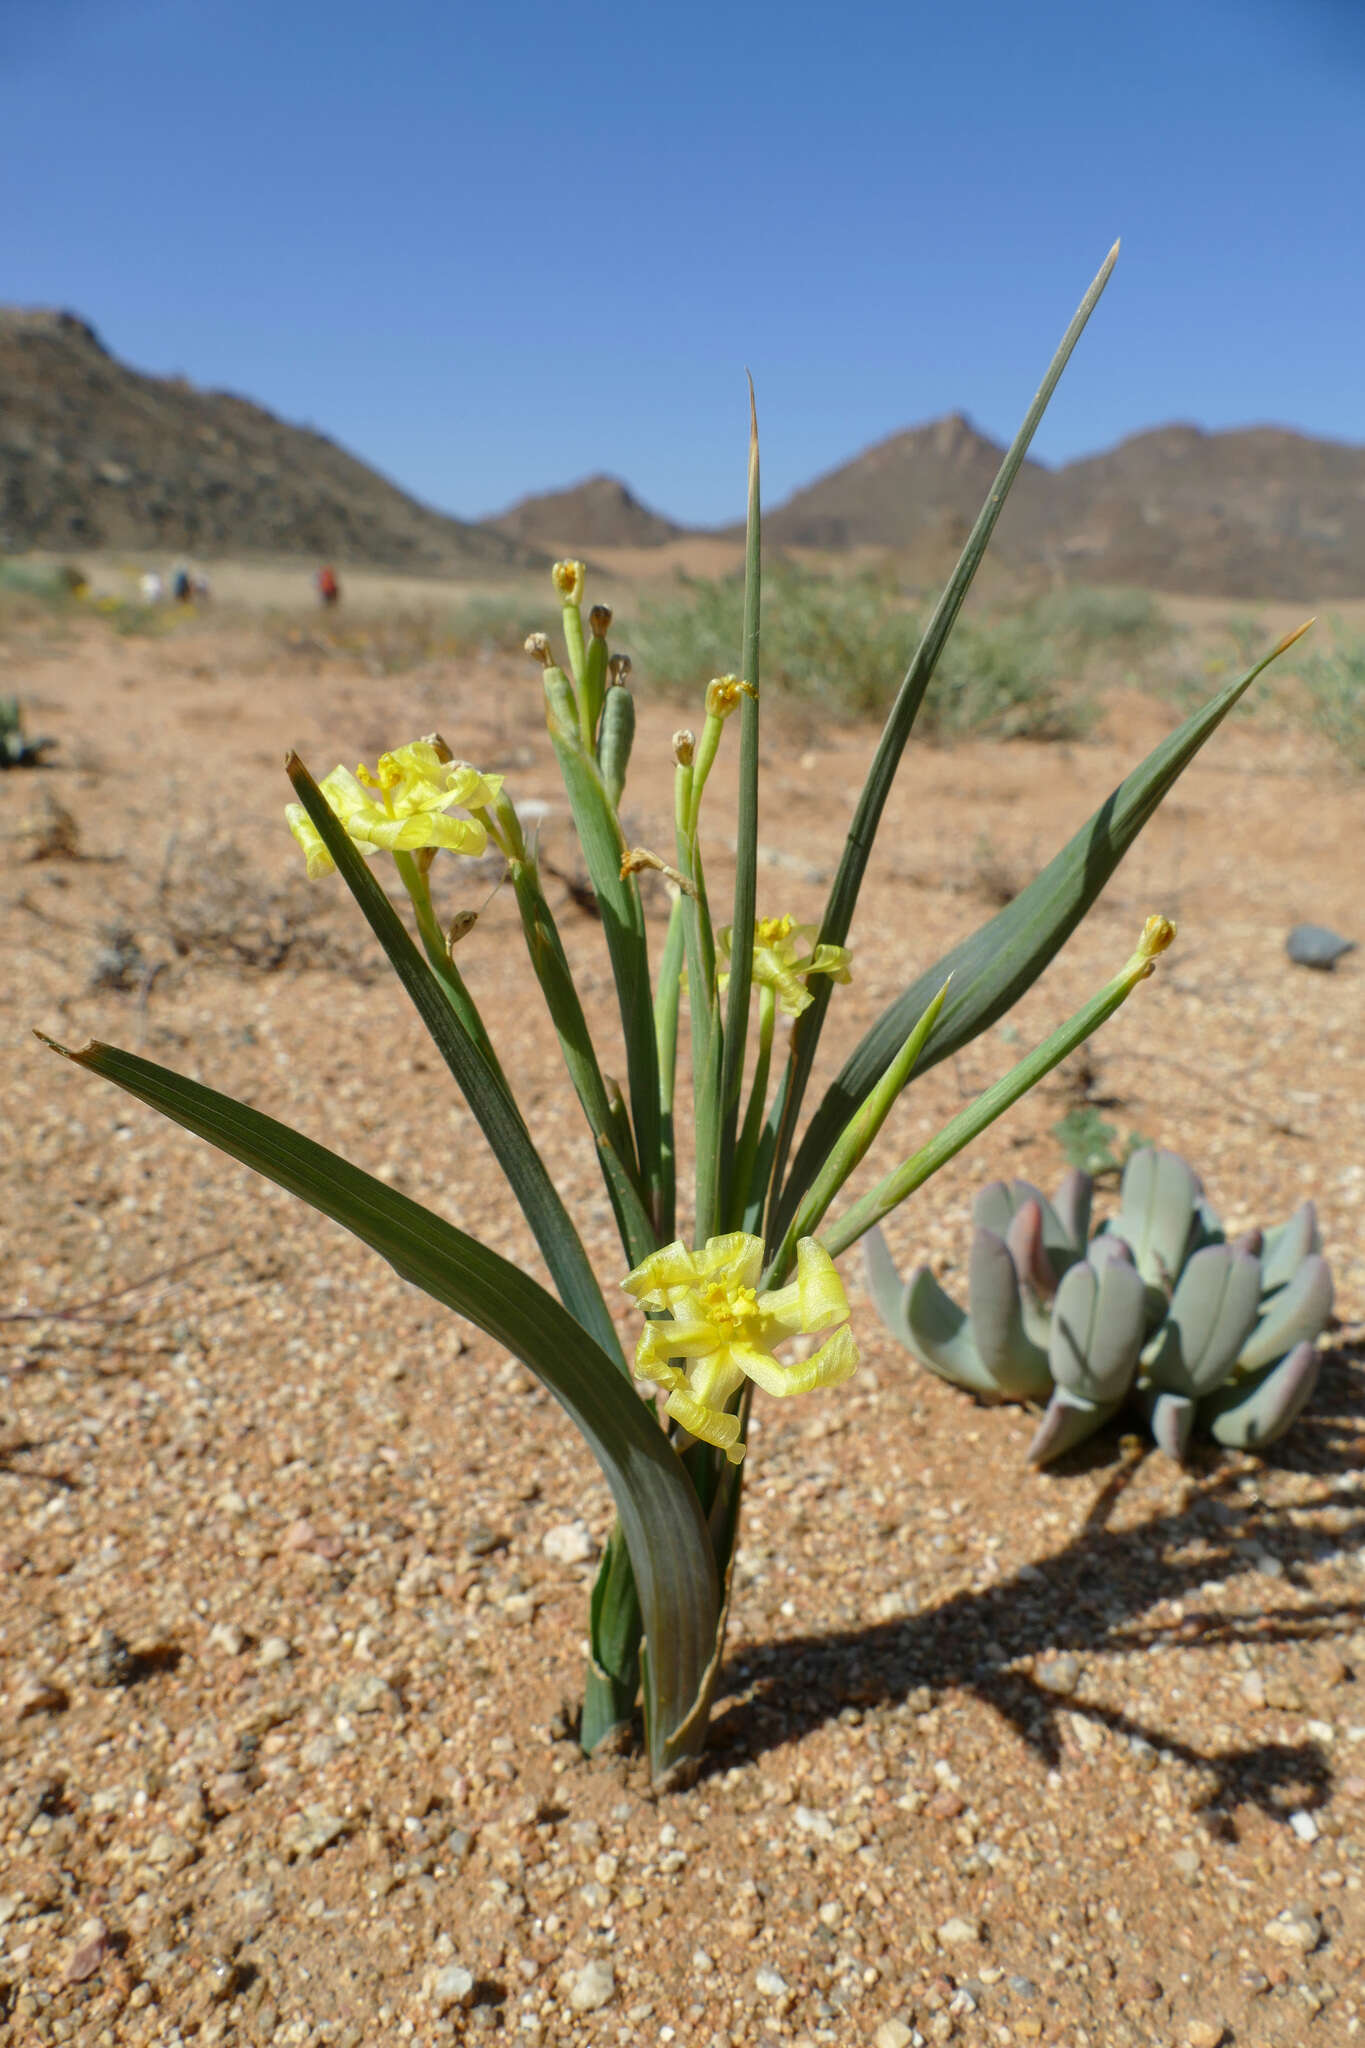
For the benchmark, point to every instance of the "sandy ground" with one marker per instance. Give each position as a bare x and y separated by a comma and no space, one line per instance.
998,1757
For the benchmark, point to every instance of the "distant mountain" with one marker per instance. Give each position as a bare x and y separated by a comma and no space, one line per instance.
1248,512
927,479
598,513
93,454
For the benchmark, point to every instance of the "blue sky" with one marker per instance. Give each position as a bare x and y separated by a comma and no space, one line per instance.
495,249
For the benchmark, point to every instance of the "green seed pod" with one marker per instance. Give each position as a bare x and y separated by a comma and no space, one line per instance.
617,738
561,703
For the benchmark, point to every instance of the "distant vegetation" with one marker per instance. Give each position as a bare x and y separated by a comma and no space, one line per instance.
1335,682
845,642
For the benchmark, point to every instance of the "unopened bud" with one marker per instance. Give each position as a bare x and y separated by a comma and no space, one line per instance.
568,581
1157,935
599,619
684,746
618,668
460,926
434,740
639,860
538,647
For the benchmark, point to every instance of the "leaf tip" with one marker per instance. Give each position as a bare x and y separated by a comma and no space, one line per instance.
1284,645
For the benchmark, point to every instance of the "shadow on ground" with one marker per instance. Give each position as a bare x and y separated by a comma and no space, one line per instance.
1092,1597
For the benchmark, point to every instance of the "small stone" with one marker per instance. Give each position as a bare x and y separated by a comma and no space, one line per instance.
454,1985
959,1932
1029,2027
1059,1674
112,1663
1186,1862
1315,945
702,1962
1205,2034
593,1986
812,1822
1253,1689
310,1831
227,1637
482,1541
163,1848
1295,1927
276,1650
1304,1825
363,1692
770,1983
893,2033
569,1543
92,1946
945,1805
35,1695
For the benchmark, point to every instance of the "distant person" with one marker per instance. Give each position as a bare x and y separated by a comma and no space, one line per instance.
329,590
200,589
182,589
152,588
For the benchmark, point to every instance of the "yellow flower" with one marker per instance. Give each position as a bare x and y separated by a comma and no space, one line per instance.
725,1331
785,953
401,807
723,694
568,581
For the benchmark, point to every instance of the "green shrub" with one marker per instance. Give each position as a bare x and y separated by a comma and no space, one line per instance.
845,642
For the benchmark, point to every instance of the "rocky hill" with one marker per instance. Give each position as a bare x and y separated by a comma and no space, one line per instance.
1250,512
94,455
598,513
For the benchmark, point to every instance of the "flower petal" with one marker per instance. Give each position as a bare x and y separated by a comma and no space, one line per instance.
712,1425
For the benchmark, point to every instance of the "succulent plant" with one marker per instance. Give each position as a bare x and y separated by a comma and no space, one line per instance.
16,751
1157,1308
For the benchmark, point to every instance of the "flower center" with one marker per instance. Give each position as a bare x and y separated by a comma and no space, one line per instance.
770,931
729,1308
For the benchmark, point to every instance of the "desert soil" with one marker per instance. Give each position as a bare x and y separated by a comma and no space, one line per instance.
293,1566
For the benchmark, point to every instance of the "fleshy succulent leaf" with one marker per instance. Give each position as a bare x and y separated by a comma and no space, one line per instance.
1016,1364
997,1205
1297,1312
1157,1214
1212,1312
940,1336
884,1282
1171,1417
1251,1412
1029,1253
1286,1247
1066,1423
1099,1320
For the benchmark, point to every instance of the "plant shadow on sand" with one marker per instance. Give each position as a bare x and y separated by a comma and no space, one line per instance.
1091,1596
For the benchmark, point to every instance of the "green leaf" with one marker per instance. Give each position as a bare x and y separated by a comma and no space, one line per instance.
552,971
863,831
670,1549
482,1086
623,923
994,967
746,829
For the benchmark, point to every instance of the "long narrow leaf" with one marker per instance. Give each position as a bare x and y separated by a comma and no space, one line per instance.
670,1549
482,1087
993,968
746,831
623,922
862,832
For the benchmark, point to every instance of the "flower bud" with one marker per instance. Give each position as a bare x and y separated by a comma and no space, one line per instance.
1157,935
599,619
618,668
568,581
538,647
460,926
684,747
